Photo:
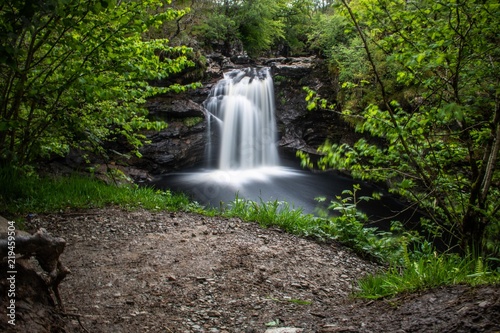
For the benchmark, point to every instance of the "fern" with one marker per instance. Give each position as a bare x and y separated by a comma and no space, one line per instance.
406,256
479,267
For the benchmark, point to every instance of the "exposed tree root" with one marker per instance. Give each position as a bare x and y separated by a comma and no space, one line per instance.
46,249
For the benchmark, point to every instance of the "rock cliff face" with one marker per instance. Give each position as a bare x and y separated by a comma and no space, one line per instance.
182,144
300,128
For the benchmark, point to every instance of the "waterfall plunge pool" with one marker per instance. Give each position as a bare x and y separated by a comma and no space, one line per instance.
287,182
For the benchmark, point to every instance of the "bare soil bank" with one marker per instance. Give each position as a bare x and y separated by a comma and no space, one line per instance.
177,272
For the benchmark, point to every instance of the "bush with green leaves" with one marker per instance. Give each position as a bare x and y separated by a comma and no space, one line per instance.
76,73
440,148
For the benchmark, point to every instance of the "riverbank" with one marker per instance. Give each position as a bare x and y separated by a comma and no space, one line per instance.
149,271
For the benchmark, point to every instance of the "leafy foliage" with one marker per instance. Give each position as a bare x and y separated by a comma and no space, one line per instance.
349,226
296,17
75,73
218,28
258,25
438,145
254,24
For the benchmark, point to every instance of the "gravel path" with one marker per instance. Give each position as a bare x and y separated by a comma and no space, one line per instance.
177,272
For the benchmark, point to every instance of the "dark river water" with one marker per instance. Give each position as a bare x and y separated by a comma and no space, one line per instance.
287,182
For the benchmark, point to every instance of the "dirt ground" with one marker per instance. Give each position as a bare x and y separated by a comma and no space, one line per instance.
177,272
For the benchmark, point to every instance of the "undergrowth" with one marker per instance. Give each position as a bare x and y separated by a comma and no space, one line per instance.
23,193
428,272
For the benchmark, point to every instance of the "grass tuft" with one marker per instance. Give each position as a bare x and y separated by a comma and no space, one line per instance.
426,273
27,193
273,213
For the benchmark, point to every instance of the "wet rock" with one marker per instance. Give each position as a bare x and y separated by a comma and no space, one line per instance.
167,108
296,68
241,59
180,145
300,128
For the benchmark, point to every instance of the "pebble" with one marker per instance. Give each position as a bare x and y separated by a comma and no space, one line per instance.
484,304
214,313
284,330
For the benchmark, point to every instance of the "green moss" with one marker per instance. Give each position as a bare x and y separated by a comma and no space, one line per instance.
192,121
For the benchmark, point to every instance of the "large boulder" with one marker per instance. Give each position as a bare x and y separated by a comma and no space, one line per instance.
293,68
179,146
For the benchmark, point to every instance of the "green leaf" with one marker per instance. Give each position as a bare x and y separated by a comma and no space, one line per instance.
406,184
273,323
311,106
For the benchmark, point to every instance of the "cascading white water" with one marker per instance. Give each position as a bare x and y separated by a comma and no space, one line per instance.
242,105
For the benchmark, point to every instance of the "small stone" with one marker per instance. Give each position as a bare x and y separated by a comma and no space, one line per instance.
214,313
484,304
284,330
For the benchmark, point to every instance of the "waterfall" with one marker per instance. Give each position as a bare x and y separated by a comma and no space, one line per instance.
242,107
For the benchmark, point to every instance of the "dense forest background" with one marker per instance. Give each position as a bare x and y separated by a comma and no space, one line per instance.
419,79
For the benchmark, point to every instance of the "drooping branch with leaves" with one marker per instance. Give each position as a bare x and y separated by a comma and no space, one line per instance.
76,73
